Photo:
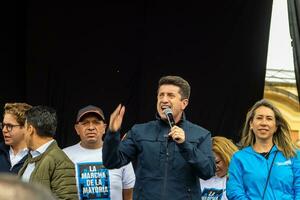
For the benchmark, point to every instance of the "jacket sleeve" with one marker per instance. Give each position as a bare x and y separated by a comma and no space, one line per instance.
117,153
296,172
63,181
200,156
235,186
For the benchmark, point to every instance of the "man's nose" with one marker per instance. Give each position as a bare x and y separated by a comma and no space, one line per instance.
165,98
91,126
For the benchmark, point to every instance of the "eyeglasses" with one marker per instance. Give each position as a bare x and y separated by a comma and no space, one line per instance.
9,127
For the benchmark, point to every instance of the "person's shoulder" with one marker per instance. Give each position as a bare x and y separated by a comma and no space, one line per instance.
56,153
71,149
297,150
138,130
60,157
3,146
297,156
146,125
243,152
196,127
4,152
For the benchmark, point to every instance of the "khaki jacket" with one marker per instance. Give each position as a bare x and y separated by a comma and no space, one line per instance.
54,170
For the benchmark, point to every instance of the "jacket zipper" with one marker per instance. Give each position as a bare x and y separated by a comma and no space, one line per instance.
166,170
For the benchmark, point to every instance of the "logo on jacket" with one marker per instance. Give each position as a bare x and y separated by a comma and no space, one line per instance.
285,163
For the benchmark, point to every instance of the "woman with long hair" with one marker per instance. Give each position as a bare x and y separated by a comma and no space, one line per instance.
267,167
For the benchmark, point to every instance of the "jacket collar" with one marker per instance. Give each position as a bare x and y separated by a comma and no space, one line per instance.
251,150
39,157
182,119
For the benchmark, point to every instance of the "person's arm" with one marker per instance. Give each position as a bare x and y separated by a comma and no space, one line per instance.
115,153
235,186
296,172
199,156
127,194
63,182
128,181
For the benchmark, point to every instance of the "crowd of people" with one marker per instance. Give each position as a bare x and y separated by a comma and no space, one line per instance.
169,157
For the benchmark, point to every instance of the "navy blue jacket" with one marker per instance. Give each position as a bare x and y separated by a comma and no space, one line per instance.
5,164
164,169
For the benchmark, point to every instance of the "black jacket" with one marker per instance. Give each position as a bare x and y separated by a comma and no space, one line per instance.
164,169
5,164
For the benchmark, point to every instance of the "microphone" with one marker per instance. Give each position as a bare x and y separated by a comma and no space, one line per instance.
169,114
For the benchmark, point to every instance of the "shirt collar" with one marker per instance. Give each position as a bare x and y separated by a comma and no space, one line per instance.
22,152
41,149
183,118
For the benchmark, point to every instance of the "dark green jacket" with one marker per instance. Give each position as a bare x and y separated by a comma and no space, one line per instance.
54,170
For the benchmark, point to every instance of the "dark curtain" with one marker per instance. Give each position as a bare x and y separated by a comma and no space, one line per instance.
294,21
109,53
12,55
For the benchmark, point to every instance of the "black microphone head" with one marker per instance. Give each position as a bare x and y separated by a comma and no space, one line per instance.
169,114
168,111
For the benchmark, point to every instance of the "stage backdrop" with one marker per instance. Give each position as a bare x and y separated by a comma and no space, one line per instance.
67,55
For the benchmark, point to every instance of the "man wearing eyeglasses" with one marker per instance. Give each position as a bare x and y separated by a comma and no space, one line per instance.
13,151
94,181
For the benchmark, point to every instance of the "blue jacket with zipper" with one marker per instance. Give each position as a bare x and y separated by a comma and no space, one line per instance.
164,169
248,174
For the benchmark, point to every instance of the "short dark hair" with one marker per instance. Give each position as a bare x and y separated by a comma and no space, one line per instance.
185,88
43,119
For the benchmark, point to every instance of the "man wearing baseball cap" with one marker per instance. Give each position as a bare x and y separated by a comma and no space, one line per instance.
94,181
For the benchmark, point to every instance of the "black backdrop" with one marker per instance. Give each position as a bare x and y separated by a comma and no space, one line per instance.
66,55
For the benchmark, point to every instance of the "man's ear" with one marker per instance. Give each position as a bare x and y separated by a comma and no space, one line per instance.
76,126
30,129
185,102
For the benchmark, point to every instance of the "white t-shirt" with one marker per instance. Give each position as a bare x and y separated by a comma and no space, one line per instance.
213,188
94,181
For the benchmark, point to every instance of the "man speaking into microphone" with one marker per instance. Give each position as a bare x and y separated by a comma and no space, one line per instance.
171,153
